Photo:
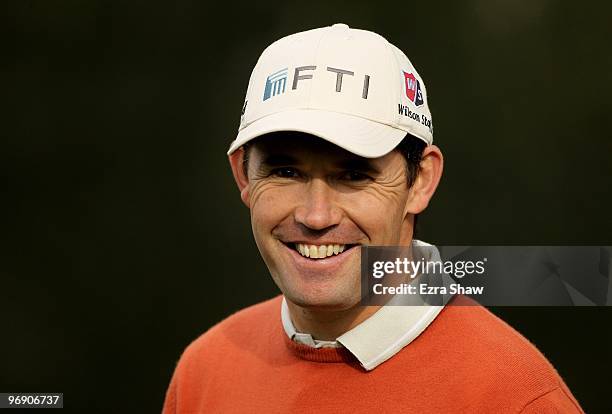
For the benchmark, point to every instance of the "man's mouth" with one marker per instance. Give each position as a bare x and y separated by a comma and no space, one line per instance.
314,251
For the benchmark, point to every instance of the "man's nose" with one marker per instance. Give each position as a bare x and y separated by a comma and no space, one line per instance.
317,209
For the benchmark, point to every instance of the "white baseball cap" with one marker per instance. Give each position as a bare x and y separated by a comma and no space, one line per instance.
348,86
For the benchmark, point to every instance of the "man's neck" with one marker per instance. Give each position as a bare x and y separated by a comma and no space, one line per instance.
327,325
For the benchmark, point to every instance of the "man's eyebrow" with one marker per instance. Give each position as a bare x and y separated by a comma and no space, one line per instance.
278,160
358,164
350,163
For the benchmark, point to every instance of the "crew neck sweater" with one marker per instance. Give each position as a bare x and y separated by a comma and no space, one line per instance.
466,361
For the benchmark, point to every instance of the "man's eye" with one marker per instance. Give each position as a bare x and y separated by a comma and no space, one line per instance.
285,172
355,176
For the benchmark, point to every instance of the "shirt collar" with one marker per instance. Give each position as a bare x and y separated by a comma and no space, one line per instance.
377,338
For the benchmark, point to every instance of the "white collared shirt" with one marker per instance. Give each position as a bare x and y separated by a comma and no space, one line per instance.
377,338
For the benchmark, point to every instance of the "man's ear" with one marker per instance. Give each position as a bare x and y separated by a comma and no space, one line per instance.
236,160
423,188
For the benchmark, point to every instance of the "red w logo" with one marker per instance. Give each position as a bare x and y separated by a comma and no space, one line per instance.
413,89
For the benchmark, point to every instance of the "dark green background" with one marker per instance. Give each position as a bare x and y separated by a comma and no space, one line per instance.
123,237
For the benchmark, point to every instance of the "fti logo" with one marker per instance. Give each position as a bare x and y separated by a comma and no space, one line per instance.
275,84
413,89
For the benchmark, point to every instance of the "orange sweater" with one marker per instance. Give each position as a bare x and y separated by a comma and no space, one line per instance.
466,361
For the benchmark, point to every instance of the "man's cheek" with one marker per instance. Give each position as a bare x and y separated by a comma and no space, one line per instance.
259,194
269,205
263,213
373,222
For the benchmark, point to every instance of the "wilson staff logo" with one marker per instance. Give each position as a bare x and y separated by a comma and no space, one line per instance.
413,89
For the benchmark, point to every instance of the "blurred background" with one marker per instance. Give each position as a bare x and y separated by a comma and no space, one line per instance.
123,238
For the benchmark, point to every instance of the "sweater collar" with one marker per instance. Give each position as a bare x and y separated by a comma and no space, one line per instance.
373,341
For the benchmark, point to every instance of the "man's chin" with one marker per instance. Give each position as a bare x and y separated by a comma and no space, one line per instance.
331,283
321,301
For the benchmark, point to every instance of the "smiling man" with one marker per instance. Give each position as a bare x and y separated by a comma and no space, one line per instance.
313,204
334,151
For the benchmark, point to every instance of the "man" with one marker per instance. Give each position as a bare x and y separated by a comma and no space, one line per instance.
334,152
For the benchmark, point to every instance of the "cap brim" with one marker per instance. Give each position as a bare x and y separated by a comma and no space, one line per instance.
357,135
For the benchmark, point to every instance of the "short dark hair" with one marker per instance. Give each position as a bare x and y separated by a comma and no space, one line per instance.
410,147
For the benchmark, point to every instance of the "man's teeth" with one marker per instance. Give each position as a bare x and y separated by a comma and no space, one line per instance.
319,252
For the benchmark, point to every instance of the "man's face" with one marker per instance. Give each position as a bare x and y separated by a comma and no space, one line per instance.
305,193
